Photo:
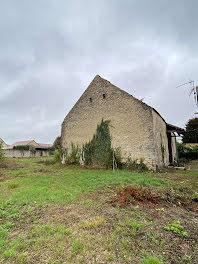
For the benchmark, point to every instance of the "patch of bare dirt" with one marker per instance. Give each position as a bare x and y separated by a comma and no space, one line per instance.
64,214
134,195
144,196
3,177
11,165
43,171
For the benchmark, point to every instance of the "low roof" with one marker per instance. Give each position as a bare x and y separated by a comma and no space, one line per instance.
27,142
21,143
173,128
45,145
192,144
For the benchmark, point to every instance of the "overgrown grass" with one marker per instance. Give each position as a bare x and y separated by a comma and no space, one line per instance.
63,185
54,214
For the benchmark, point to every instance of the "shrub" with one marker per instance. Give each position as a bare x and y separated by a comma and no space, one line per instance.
57,156
186,153
135,165
52,160
117,159
22,147
73,157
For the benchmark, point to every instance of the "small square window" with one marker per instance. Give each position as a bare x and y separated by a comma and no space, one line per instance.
104,96
90,99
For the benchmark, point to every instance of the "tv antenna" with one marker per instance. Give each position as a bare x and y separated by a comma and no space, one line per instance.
193,89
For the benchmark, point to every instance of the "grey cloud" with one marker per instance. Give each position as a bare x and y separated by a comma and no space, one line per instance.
51,50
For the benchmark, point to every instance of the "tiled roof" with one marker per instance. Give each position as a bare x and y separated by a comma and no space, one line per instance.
21,143
45,145
27,142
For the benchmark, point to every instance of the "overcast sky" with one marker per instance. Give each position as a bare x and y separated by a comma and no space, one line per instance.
50,50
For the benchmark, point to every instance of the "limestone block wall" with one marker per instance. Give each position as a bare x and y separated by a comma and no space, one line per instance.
15,153
160,140
131,121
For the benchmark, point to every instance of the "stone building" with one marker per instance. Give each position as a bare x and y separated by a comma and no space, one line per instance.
138,129
32,143
3,144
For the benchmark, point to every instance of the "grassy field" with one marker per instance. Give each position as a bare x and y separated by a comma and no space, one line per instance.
55,214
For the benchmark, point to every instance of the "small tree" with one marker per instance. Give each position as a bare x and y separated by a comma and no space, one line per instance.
191,133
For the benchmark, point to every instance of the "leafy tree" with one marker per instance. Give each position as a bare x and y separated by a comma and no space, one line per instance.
186,152
191,133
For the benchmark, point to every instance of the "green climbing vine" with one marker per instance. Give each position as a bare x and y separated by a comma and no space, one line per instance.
98,151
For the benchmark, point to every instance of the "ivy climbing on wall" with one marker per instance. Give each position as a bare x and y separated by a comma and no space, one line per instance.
98,151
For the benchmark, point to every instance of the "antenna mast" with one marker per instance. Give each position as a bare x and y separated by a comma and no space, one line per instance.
193,90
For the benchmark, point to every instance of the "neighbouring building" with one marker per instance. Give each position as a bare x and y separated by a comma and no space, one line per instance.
32,143
191,144
138,129
4,145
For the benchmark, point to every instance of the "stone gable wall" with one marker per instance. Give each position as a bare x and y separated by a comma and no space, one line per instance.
161,140
33,143
131,121
4,146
